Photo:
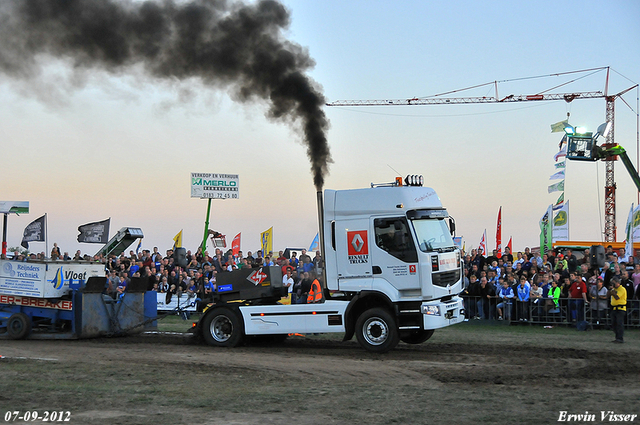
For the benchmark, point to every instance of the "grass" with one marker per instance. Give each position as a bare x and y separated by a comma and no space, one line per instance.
175,323
473,333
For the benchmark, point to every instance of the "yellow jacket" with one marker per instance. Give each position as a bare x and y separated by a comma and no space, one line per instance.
621,302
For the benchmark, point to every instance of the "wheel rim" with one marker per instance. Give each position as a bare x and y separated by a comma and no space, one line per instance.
376,331
16,326
221,328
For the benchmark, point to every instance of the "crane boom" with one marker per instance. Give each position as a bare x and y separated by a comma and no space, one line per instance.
567,97
439,99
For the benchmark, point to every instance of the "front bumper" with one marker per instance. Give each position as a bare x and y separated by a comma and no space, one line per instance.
437,314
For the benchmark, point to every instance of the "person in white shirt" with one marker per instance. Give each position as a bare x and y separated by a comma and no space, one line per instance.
287,282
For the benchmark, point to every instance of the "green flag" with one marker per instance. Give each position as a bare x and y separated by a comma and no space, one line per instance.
546,229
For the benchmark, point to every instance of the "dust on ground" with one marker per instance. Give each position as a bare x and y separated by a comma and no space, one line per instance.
172,379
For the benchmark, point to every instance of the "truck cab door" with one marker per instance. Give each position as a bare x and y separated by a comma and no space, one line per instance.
353,259
394,256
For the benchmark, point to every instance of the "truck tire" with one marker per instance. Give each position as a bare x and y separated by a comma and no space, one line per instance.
377,331
18,326
222,328
417,337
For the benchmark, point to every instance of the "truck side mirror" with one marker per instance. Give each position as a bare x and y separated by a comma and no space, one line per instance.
452,226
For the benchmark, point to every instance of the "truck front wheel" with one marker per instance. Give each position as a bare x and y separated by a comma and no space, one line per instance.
18,326
222,328
417,337
376,330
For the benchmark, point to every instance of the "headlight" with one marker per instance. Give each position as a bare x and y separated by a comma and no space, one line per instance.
431,310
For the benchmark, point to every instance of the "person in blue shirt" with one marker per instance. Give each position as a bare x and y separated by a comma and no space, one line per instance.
545,285
294,259
506,296
522,303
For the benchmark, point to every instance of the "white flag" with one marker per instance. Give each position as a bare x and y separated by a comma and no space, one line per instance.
563,152
560,230
483,244
628,240
561,164
557,176
636,223
557,187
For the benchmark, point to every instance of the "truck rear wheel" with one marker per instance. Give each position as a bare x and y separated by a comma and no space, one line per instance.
18,326
376,330
417,337
222,328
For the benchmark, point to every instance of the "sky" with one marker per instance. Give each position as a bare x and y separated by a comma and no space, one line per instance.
83,147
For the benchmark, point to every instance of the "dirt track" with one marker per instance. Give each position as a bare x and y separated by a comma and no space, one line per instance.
170,379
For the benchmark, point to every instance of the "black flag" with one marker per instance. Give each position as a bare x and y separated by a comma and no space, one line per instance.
34,232
97,232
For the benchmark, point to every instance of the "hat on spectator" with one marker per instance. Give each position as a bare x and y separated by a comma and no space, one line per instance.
560,256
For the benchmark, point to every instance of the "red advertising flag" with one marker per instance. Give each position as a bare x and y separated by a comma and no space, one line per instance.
235,245
509,246
499,234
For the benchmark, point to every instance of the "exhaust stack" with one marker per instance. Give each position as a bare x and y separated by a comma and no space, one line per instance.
320,200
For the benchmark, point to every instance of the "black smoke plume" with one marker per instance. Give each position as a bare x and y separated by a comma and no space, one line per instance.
220,42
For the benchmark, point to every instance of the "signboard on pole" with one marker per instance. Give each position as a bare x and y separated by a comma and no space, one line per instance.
215,186
15,207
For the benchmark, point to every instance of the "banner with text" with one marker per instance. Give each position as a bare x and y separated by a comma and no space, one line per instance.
215,186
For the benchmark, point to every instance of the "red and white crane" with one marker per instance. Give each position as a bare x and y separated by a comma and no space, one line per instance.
441,99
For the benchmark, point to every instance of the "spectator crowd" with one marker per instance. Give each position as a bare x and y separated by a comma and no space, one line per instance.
503,287
193,274
531,286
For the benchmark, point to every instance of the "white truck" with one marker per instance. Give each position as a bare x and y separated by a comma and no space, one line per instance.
392,272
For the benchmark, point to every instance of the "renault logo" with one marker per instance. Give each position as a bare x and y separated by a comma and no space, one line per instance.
357,243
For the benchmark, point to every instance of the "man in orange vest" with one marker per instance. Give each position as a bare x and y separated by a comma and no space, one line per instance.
315,293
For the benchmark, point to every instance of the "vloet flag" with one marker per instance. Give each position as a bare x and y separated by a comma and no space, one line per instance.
499,234
561,164
266,241
510,245
97,232
34,232
235,245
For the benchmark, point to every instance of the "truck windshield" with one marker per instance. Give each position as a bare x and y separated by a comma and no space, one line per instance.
433,234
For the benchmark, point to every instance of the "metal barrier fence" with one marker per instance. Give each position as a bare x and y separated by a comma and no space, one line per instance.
543,312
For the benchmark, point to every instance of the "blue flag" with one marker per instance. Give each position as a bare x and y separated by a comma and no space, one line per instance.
315,244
